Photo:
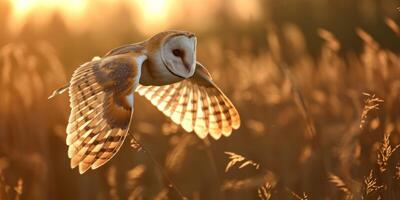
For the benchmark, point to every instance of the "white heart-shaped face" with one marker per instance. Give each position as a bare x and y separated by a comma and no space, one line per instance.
178,54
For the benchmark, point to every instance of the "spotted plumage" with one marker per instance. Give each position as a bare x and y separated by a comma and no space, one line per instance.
165,71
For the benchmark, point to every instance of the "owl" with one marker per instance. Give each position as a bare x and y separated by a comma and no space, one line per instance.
165,71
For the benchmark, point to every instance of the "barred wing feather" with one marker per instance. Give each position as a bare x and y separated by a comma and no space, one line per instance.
197,104
100,114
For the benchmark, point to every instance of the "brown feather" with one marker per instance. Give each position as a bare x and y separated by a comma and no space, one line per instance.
100,115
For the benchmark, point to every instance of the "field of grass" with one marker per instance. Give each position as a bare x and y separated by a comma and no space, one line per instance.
319,122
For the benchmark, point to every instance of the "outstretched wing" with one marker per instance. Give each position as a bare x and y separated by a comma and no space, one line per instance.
101,100
196,104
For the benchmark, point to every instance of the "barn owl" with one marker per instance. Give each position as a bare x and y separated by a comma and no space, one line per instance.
165,71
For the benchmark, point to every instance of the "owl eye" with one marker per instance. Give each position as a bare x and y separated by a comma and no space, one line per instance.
177,52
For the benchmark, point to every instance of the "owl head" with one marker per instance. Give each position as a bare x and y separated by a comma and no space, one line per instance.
176,50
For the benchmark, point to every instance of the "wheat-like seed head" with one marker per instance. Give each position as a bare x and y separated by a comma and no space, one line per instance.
265,191
371,103
341,185
296,196
135,144
370,185
8,192
19,188
236,158
385,151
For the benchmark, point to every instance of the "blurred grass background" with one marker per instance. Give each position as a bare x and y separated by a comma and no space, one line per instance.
297,70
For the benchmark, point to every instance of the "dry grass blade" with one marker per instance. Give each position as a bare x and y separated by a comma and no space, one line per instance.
303,197
132,183
257,127
19,189
8,192
367,38
169,128
139,147
238,184
249,183
162,195
297,95
385,151
371,103
3,192
112,182
331,40
176,157
265,191
397,173
136,172
392,25
4,188
300,102
236,158
341,185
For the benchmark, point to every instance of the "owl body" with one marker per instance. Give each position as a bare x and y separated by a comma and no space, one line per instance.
165,71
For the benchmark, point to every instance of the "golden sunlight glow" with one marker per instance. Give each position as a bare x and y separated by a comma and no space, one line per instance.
21,10
246,9
154,8
25,7
21,7
153,15
147,16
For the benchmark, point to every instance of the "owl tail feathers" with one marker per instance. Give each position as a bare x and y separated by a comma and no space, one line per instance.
59,91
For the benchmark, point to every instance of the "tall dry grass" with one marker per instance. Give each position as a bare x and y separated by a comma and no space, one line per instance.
347,101
27,74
